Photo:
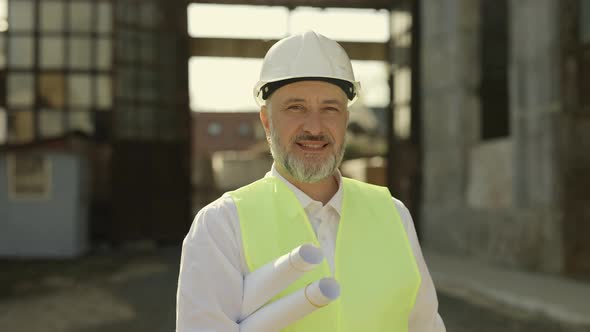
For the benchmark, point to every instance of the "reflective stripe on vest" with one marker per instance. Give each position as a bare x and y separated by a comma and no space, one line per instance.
374,263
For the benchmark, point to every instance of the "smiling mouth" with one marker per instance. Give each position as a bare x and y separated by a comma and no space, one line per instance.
312,146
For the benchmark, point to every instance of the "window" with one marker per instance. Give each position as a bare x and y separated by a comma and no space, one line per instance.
52,16
51,123
58,66
21,50
214,129
52,52
20,15
20,90
80,53
80,16
52,91
79,91
144,91
244,129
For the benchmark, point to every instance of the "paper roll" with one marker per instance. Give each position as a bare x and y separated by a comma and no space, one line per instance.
285,311
263,284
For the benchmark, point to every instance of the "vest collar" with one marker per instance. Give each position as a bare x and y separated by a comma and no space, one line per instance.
335,202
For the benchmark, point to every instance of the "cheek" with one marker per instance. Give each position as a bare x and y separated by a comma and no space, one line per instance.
287,130
285,134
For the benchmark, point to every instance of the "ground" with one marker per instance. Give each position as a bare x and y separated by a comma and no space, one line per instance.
134,290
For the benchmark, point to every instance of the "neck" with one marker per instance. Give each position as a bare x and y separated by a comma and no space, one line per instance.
321,191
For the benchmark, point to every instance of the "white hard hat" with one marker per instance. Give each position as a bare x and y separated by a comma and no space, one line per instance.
306,56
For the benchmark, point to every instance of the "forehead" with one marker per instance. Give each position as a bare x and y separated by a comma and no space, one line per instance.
309,91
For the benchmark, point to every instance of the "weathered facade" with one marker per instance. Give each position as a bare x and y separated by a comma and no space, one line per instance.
488,129
503,190
114,71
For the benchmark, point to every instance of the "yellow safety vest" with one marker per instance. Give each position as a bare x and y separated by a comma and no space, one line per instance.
374,263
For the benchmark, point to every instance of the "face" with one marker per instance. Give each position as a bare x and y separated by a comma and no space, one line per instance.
305,123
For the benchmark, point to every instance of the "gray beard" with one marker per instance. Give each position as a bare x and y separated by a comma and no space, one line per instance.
311,171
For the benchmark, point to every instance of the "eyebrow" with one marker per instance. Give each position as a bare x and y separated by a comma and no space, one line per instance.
300,100
294,100
333,101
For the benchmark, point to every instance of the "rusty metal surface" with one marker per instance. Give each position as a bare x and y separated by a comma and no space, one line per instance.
575,142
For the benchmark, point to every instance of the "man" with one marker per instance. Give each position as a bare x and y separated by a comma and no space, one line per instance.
368,238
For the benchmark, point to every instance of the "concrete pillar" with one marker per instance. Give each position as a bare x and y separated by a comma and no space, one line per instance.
535,114
450,79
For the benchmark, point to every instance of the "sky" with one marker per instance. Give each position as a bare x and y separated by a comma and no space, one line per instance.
225,84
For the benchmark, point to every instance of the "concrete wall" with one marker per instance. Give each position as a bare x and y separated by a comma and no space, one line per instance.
464,208
491,175
56,226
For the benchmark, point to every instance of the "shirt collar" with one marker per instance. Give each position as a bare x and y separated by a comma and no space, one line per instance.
335,202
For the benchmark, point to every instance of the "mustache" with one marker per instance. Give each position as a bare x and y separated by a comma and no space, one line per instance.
309,137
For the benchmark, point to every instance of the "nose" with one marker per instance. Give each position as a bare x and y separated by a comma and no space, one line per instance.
313,123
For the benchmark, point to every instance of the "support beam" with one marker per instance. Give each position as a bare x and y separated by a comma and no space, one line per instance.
377,4
255,48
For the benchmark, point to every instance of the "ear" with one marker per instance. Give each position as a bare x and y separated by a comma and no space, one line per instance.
347,118
265,119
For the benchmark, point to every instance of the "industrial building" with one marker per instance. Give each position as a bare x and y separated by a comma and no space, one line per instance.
486,122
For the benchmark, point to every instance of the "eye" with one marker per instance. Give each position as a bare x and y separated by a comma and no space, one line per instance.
295,107
331,109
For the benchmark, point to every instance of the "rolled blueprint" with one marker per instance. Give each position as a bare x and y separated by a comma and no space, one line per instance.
263,284
287,310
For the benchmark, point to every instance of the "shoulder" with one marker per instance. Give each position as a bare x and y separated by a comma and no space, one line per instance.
215,232
400,206
217,219
376,188
366,188
404,215
383,195
219,207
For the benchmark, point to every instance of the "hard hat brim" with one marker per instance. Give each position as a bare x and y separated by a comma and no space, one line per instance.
263,91
271,87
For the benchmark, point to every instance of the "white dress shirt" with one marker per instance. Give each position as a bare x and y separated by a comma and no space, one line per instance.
213,266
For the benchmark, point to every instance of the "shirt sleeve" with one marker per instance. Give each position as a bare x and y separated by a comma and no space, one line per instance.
209,295
424,316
